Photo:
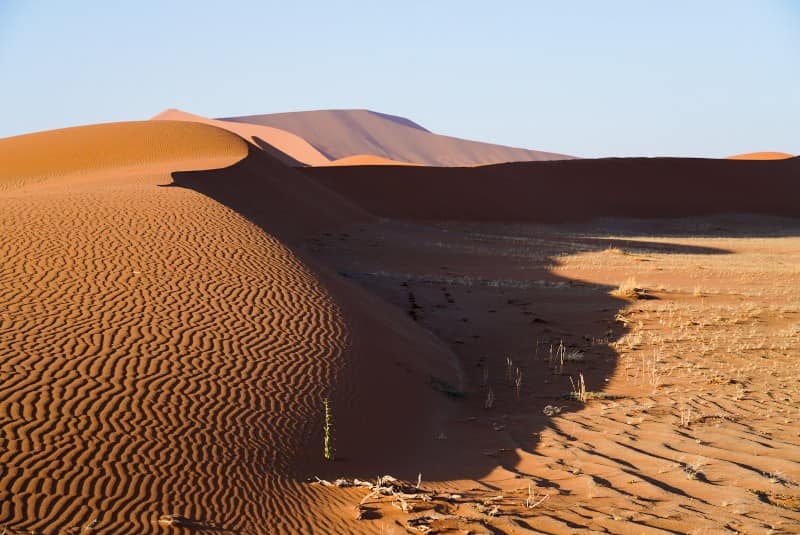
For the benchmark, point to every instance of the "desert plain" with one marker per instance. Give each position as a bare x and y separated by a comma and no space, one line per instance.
506,340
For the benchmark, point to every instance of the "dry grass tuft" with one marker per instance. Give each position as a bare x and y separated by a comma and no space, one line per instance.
629,289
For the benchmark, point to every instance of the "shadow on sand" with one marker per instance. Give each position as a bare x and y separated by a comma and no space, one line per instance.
486,291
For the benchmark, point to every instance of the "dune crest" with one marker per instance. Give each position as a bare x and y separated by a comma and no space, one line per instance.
165,349
287,147
762,156
342,133
570,190
114,148
368,159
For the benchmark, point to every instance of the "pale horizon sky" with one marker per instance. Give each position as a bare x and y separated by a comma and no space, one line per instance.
618,78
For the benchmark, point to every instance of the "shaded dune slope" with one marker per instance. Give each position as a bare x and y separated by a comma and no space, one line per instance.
161,353
342,133
283,145
575,190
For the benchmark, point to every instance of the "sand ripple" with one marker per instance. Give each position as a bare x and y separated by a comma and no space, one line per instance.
158,354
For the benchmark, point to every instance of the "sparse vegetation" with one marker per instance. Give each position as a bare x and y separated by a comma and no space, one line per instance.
629,289
579,390
489,403
327,444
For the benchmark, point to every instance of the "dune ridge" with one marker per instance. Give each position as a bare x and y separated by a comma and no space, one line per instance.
116,148
342,133
285,146
163,353
368,159
570,190
762,156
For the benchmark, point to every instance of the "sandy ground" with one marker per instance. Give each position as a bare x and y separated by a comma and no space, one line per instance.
162,354
176,305
689,423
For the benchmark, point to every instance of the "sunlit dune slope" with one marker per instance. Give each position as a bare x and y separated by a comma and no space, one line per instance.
140,146
165,349
762,156
285,146
368,159
342,133
573,190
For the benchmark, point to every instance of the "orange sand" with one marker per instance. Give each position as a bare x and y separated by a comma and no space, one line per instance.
176,305
284,145
161,353
368,159
141,147
762,156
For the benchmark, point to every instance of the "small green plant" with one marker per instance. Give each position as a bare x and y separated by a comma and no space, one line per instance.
327,445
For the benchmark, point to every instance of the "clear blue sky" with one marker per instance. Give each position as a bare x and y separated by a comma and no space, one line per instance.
590,78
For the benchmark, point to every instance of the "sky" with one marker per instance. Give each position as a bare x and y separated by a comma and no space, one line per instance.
589,78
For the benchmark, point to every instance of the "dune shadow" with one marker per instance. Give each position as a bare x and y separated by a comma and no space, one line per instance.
486,290
518,319
272,151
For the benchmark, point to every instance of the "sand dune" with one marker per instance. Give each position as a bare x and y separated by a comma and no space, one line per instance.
762,156
368,159
114,148
177,303
285,146
342,133
163,353
575,190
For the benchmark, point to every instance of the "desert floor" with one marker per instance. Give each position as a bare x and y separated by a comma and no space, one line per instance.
689,419
176,305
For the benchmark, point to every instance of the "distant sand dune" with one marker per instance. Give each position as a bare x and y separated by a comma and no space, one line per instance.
762,156
368,159
342,133
285,146
574,190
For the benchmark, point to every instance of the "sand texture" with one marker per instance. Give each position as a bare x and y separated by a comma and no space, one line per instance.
341,133
578,346
162,354
115,149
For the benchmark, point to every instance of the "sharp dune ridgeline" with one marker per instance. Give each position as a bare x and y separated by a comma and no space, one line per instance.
140,147
285,146
181,299
571,190
162,351
762,156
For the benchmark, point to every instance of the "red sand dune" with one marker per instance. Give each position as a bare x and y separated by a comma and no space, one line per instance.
762,156
163,351
140,147
571,190
167,349
368,159
284,145
342,133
